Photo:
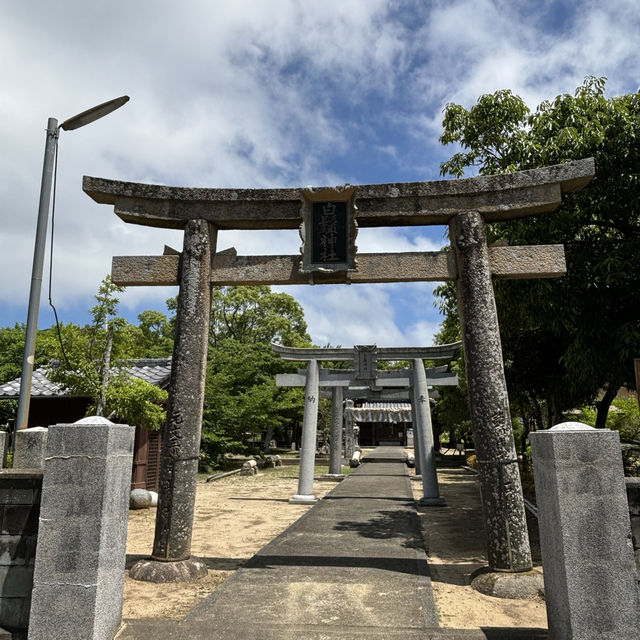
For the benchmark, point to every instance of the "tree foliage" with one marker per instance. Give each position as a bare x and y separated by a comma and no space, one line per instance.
564,340
75,356
241,398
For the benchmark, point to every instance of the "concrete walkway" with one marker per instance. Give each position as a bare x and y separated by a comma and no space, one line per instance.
353,566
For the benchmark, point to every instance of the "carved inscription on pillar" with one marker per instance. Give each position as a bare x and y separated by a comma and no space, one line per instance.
328,230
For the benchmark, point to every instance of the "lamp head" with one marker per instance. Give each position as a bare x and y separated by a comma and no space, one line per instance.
95,113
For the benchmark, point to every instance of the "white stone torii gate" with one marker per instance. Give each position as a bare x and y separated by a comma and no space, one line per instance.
465,205
413,381
436,376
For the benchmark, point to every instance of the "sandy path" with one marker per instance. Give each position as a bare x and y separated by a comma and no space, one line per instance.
237,516
455,544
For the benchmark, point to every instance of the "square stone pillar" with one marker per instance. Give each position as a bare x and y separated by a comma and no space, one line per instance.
585,534
29,449
78,579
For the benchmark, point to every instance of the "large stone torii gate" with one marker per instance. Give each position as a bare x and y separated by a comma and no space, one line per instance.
465,205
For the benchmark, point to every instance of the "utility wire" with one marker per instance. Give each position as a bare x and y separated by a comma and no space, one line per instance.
53,226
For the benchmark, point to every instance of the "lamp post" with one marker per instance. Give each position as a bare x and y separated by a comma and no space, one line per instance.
53,130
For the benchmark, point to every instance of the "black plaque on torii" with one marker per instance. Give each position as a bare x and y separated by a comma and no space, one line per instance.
366,361
328,230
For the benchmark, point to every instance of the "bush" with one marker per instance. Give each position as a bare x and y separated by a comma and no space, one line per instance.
623,417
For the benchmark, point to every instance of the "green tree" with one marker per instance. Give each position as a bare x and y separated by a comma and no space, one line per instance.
451,412
136,402
256,314
565,340
242,402
95,358
156,340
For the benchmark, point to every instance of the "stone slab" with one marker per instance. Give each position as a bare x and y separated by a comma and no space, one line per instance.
540,261
30,448
585,537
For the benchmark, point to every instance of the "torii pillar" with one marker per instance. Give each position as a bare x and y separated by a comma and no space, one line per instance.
337,420
171,558
504,514
423,436
309,430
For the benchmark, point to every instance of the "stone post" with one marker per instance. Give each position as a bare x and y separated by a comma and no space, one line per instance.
424,435
502,501
335,452
349,440
308,446
29,449
181,437
78,580
585,534
417,453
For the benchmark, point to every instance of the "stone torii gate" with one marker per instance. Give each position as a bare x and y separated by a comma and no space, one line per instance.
436,376
366,373
465,205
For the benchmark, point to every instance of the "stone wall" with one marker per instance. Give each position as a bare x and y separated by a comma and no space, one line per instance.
20,493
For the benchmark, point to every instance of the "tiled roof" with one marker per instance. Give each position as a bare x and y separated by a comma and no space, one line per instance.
383,412
40,386
153,370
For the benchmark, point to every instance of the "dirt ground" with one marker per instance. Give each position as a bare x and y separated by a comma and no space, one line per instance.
454,540
236,516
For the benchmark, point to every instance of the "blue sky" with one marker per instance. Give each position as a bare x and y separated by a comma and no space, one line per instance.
266,94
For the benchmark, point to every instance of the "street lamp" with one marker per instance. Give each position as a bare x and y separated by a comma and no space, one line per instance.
77,121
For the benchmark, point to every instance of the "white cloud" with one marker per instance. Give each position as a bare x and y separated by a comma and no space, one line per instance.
266,94
374,314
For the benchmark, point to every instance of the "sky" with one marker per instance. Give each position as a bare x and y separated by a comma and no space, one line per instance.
259,94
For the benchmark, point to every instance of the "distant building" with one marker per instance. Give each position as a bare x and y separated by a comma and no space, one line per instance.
383,423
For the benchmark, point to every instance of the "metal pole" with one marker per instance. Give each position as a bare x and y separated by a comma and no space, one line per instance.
22,417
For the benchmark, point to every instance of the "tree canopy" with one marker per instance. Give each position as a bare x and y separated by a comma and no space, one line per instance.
242,401
564,340
77,357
